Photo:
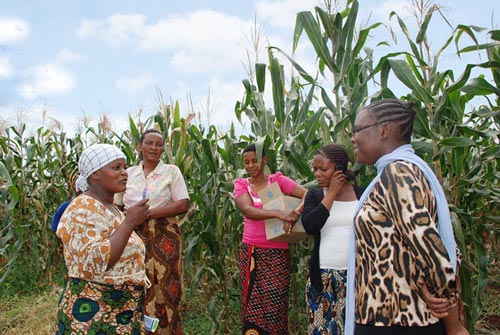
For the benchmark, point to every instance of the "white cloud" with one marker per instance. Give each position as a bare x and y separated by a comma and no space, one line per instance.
282,14
134,84
401,7
46,80
195,38
223,96
118,29
89,28
66,57
214,103
195,31
5,68
12,30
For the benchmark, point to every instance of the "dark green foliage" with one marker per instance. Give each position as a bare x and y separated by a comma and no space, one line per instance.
456,132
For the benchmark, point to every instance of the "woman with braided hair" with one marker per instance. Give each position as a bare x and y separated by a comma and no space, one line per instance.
328,213
402,233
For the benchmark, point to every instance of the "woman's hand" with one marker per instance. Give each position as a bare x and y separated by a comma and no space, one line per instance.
438,306
336,182
289,218
138,213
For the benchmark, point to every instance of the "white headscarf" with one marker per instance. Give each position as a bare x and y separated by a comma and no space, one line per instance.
92,159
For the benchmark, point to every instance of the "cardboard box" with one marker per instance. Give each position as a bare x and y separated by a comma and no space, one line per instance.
273,198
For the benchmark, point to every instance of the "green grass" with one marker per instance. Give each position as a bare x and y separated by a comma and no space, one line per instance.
35,314
29,314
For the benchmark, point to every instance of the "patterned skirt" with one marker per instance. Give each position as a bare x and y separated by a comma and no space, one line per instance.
94,308
326,309
162,238
265,279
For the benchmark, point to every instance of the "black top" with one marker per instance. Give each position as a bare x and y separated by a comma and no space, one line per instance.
314,217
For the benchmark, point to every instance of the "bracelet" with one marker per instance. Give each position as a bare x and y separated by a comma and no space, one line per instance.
297,212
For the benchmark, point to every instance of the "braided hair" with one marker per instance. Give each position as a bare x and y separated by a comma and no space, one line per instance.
337,154
396,111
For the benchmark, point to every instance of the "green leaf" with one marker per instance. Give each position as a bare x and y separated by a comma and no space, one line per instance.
208,155
414,48
404,73
260,75
423,27
316,37
297,32
479,86
457,142
133,130
478,47
277,87
303,73
465,75
491,153
362,38
300,163
494,35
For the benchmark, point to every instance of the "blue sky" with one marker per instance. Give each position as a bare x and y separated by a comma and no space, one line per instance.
69,60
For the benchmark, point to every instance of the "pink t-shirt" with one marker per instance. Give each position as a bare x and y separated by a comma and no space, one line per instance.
254,231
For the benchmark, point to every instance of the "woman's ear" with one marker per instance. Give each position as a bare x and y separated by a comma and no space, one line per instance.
386,131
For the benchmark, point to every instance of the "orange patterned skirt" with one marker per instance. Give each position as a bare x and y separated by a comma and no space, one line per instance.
162,238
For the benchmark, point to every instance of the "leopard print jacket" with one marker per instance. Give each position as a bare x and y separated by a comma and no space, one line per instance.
397,242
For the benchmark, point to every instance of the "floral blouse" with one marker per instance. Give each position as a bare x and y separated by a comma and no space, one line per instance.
84,229
162,186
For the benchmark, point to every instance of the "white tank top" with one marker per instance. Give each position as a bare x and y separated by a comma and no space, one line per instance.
336,234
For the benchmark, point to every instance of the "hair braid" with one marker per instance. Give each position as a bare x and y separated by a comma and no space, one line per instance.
397,111
337,154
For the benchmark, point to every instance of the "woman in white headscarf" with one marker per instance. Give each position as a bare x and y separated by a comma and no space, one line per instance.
103,254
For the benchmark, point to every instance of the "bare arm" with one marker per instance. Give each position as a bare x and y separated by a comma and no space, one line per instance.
172,209
452,323
299,192
245,205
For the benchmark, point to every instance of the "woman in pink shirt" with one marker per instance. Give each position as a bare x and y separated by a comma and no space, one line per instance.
265,266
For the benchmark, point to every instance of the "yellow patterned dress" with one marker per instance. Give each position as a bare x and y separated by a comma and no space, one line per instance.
96,300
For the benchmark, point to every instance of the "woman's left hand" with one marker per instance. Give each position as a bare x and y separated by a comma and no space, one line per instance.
438,306
291,218
288,226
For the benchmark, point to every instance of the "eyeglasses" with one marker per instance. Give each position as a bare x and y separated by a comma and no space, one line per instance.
357,130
